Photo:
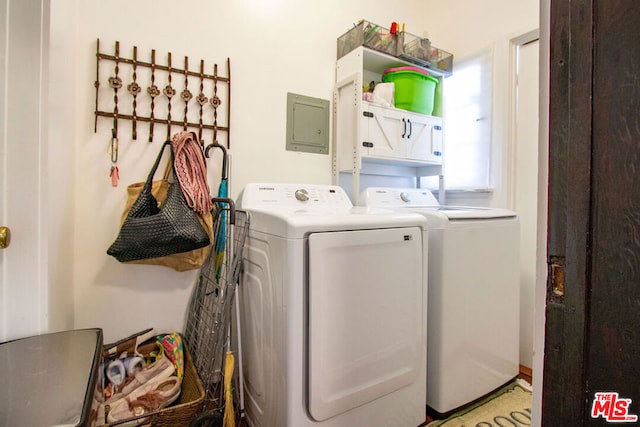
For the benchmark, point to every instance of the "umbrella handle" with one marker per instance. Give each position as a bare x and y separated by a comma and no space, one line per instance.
215,144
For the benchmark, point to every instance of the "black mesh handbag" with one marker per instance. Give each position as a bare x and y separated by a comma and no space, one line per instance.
151,231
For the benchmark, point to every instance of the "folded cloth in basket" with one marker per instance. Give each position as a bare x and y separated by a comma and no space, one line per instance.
148,398
144,379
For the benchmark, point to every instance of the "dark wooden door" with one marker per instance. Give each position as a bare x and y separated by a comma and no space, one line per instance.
592,344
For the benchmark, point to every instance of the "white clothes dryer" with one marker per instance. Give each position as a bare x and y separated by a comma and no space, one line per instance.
333,310
474,295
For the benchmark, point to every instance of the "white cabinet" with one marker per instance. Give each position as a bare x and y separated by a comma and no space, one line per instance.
400,135
378,140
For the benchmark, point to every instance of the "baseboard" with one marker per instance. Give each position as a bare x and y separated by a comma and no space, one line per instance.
525,374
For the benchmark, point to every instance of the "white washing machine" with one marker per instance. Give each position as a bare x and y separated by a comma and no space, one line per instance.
333,310
474,295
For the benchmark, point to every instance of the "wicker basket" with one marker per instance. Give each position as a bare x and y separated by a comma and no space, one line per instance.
183,410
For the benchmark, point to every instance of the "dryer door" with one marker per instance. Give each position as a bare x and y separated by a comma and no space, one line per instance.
366,331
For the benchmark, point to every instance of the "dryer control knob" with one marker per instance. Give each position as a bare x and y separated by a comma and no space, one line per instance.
302,195
404,196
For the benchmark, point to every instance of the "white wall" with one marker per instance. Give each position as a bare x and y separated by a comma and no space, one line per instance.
467,26
275,47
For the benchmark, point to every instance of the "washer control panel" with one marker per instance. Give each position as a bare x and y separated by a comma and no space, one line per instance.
309,196
397,197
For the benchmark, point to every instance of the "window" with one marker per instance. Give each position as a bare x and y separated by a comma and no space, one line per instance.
467,101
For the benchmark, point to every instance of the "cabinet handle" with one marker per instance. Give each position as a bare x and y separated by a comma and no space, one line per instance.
404,127
367,114
410,128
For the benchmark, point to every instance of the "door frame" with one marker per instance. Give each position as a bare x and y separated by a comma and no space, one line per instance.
539,317
24,283
539,302
511,149
564,388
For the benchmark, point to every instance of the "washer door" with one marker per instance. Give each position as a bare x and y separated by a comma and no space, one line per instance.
366,329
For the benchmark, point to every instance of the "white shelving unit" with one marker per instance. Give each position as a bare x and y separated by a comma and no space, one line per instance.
375,140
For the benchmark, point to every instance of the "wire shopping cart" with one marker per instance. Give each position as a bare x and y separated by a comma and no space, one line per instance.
208,324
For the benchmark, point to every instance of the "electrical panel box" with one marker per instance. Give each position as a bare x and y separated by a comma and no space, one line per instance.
307,124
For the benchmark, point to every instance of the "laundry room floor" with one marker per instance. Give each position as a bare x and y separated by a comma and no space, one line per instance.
525,374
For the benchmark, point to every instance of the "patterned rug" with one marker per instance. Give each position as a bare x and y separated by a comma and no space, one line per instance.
508,406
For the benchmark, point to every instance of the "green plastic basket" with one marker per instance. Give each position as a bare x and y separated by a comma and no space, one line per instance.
414,88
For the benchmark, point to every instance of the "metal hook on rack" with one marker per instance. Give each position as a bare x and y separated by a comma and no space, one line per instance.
114,173
114,146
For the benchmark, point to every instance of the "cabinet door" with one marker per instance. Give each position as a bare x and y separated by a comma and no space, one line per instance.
386,130
423,138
